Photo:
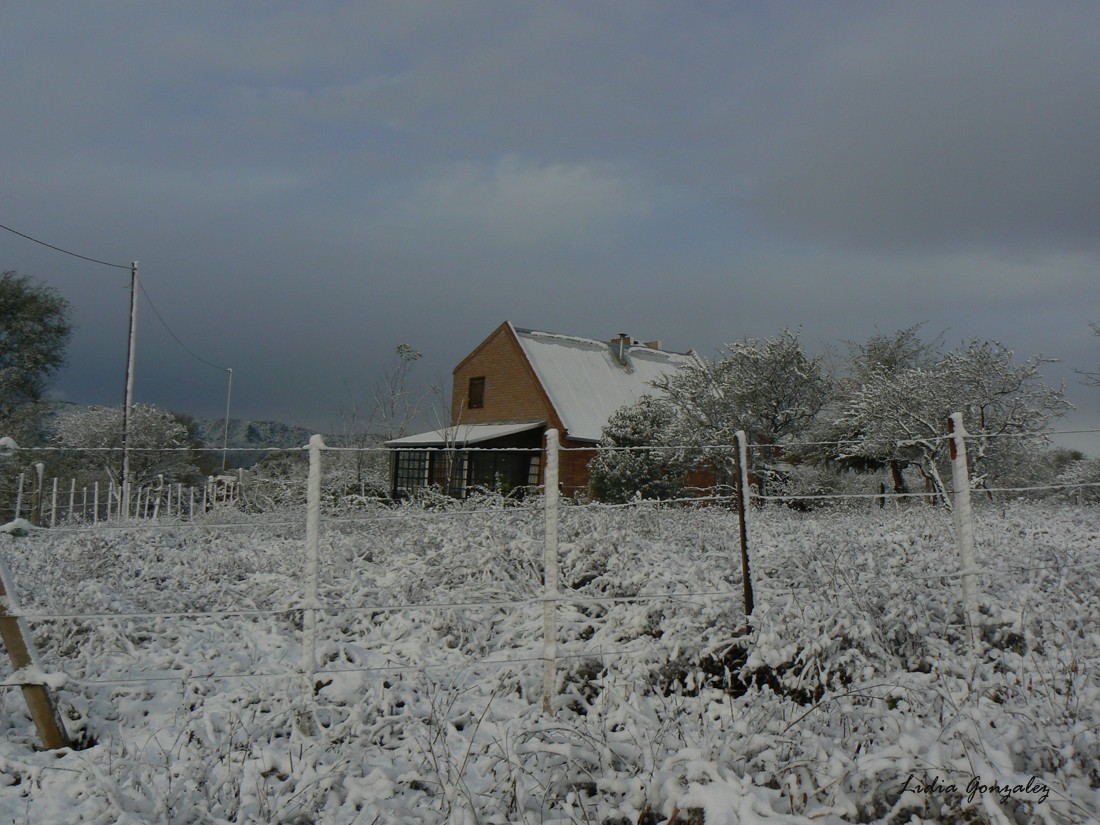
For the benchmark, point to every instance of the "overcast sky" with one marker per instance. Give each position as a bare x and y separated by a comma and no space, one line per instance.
307,185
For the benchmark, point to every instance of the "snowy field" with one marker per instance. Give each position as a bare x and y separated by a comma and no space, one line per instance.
851,696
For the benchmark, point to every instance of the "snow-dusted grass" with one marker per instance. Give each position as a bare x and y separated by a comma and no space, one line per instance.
853,680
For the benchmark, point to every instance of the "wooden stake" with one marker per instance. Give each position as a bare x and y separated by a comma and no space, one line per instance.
51,730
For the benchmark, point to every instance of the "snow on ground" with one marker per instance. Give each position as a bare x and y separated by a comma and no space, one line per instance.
850,696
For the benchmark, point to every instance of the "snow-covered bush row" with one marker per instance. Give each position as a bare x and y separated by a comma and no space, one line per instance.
850,695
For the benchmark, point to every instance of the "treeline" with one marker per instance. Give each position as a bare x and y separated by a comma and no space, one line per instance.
878,419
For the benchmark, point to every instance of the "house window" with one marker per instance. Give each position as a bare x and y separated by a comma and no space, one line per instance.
476,395
411,470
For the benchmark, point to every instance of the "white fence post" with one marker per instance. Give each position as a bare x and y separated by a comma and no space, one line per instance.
19,497
72,498
37,500
313,541
964,527
550,572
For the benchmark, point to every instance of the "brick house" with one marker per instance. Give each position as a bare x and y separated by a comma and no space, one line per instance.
514,386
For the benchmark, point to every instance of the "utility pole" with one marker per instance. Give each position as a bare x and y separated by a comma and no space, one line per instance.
228,398
128,400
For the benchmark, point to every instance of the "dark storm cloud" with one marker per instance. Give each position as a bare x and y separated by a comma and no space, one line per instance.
944,125
308,185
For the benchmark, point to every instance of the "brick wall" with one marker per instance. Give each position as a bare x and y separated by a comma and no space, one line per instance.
513,394
511,391
573,468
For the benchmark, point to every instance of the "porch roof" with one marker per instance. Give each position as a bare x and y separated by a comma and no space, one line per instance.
464,434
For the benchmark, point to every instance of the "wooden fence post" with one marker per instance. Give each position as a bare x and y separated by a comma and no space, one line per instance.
551,573
51,729
742,495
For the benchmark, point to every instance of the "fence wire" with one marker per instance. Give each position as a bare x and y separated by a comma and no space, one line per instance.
343,514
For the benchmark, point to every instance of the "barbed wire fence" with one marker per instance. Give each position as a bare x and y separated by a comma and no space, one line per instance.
340,507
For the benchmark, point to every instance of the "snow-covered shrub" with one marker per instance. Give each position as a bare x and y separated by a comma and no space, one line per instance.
632,461
810,486
1082,479
852,678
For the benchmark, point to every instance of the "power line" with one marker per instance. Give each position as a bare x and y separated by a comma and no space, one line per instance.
175,337
67,252
152,306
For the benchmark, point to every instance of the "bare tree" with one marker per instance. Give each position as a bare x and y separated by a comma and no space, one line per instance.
1093,378
393,405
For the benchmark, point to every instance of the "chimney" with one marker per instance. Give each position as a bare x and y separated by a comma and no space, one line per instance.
623,341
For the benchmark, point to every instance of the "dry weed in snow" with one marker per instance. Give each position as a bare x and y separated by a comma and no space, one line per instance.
850,696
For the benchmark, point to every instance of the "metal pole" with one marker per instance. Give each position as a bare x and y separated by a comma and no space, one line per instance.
228,398
128,398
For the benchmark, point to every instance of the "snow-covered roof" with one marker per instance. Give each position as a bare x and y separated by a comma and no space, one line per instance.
587,383
464,434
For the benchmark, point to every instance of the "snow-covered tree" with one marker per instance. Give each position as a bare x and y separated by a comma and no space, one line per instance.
1082,479
768,387
891,353
631,462
882,357
159,443
901,416
34,331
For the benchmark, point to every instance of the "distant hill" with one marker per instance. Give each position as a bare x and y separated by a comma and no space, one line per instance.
247,434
